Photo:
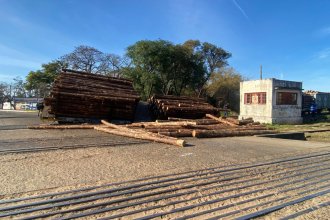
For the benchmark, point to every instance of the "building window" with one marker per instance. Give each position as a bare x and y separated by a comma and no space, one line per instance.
255,98
286,98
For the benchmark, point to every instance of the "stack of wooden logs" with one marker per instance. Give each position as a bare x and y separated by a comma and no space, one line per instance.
84,95
163,107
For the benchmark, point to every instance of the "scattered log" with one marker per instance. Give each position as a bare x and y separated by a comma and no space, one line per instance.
143,135
228,133
177,133
156,130
245,122
233,120
161,124
177,119
221,120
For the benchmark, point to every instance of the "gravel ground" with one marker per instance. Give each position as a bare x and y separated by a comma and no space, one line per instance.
38,170
236,191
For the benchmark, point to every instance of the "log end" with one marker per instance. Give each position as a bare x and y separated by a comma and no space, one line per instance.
181,143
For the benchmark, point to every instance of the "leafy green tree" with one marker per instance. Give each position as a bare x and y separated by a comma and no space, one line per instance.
162,67
223,87
212,57
150,61
38,82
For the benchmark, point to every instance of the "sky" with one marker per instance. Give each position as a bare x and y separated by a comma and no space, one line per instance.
289,38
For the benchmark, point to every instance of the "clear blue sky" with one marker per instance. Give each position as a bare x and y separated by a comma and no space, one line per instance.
290,38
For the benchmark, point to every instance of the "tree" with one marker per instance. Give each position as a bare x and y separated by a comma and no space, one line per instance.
91,60
38,82
150,61
223,87
4,92
19,88
162,67
212,56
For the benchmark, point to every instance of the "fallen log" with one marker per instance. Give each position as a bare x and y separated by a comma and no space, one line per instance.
143,135
161,124
228,133
245,122
136,131
224,127
177,119
156,130
221,120
233,120
177,133
108,124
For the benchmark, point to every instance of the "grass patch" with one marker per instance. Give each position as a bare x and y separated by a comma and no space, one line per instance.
318,136
302,127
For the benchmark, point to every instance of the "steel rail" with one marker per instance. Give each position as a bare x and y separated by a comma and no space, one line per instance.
246,201
226,198
75,146
12,127
281,206
306,211
197,214
193,173
28,140
148,195
258,205
80,215
148,188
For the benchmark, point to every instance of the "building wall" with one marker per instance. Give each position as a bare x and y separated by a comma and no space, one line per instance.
7,106
271,112
259,112
287,114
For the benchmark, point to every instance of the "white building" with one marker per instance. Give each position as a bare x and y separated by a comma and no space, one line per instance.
271,101
7,106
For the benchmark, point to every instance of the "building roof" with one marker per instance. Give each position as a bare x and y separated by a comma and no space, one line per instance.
28,99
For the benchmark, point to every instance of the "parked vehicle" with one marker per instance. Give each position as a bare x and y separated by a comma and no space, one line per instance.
315,101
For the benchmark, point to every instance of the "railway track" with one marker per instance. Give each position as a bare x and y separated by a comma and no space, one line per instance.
12,127
42,144
242,192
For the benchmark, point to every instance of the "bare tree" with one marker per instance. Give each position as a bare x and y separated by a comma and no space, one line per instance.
19,88
4,92
91,60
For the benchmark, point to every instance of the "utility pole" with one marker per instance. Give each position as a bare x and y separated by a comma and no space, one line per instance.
260,71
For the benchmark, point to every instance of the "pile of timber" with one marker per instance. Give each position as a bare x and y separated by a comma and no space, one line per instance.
83,95
209,127
169,131
164,106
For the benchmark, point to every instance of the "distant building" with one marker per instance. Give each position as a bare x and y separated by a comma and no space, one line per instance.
27,103
7,106
271,101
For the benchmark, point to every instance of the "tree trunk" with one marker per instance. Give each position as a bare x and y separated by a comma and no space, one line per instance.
144,135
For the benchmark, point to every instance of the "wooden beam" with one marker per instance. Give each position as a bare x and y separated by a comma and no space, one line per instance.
144,135
221,120
228,133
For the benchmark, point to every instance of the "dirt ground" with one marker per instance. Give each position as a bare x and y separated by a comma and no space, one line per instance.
22,172
124,159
